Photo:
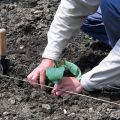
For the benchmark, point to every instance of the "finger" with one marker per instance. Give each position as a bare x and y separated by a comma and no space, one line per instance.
56,87
33,78
29,77
61,92
72,90
79,89
42,79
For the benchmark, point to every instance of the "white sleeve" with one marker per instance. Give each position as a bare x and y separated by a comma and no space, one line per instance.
106,73
69,16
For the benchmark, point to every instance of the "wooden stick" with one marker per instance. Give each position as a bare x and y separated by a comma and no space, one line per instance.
3,42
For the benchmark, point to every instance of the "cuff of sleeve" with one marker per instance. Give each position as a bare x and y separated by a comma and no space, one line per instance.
51,54
85,81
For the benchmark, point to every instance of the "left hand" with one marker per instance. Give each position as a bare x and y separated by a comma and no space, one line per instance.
67,84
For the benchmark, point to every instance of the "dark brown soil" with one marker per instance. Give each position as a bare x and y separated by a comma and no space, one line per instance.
27,23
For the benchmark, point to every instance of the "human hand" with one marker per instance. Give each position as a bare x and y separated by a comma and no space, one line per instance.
39,73
67,84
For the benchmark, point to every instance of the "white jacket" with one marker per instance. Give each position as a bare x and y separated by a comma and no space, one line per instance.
66,24
69,16
106,74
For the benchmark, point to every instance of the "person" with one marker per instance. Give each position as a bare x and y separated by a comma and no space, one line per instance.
103,25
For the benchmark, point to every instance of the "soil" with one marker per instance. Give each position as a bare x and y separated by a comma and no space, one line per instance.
27,23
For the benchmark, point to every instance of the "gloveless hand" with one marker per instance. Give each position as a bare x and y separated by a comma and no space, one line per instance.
67,84
39,73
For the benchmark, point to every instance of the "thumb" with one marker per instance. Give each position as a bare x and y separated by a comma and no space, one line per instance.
56,88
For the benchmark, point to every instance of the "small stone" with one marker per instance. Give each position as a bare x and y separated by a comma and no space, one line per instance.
2,95
74,108
18,118
66,98
12,101
46,108
6,118
6,113
37,12
32,10
34,111
49,17
109,110
105,105
33,106
21,47
81,118
72,115
26,110
48,118
20,24
90,109
65,111
18,40
59,117
115,115
18,98
33,94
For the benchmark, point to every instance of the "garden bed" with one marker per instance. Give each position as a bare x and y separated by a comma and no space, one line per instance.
27,23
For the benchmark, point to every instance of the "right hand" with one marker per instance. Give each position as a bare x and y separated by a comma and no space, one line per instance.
70,84
39,73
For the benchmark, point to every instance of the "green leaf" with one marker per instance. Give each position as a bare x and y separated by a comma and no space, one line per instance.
74,69
55,75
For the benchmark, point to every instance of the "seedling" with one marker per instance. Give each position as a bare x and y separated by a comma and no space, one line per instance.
55,74
87,39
